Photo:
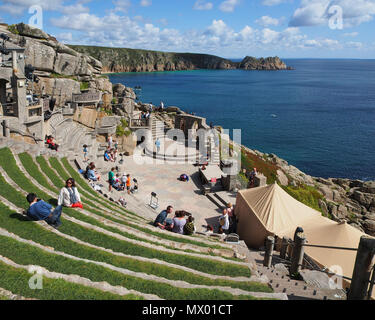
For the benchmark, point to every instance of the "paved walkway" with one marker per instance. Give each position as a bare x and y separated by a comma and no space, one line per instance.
163,180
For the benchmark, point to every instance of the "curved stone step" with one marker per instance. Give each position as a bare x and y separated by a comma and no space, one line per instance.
175,283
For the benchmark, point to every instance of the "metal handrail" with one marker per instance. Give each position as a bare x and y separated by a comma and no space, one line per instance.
22,133
329,247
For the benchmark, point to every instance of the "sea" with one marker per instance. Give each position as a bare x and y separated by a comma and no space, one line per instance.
320,117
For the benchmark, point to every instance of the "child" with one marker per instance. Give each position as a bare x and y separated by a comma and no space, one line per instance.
85,153
189,227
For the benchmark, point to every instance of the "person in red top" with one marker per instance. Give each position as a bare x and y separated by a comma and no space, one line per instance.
51,144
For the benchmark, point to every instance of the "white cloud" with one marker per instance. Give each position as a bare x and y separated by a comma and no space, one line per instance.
229,5
65,37
266,21
274,2
114,30
354,44
351,34
18,7
203,5
122,5
316,12
146,3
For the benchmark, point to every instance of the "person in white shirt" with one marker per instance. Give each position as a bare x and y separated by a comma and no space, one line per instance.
224,222
69,195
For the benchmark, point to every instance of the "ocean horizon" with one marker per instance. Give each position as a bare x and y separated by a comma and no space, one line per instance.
319,117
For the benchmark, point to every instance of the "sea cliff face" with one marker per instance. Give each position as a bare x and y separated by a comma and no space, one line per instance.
116,60
60,69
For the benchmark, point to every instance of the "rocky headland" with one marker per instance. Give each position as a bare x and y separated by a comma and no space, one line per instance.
60,70
116,60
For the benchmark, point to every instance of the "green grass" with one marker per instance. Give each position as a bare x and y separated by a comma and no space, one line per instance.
33,170
84,185
308,195
49,172
84,86
28,255
108,242
89,192
8,162
39,177
19,225
17,281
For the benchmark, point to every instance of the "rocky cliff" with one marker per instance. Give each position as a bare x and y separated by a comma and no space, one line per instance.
60,69
251,63
133,60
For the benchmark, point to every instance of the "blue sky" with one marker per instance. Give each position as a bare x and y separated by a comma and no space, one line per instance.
228,28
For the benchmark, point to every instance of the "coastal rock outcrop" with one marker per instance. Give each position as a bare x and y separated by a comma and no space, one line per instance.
270,63
59,68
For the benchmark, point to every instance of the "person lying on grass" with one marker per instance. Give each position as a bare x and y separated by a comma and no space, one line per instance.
40,210
69,195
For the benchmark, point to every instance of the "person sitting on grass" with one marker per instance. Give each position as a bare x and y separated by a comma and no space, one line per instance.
40,210
189,228
160,220
179,222
69,195
92,175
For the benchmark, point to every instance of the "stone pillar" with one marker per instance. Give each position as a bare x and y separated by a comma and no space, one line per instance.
270,243
362,269
298,254
6,130
284,248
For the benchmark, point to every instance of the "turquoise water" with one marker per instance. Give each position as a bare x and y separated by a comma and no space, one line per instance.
319,117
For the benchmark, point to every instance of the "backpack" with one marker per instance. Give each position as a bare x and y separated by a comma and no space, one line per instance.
189,228
86,173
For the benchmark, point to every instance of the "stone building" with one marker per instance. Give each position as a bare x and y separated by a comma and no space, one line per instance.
20,113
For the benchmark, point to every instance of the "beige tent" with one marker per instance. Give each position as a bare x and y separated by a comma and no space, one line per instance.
270,210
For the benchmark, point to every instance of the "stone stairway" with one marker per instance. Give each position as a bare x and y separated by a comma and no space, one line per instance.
281,282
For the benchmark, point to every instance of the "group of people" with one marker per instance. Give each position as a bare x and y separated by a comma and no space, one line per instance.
50,142
145,115
182,223
110,155
40,210
119,183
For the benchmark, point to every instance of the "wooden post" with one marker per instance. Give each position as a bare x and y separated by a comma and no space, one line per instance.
284,248
298,253
270,243
6,130
362,269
